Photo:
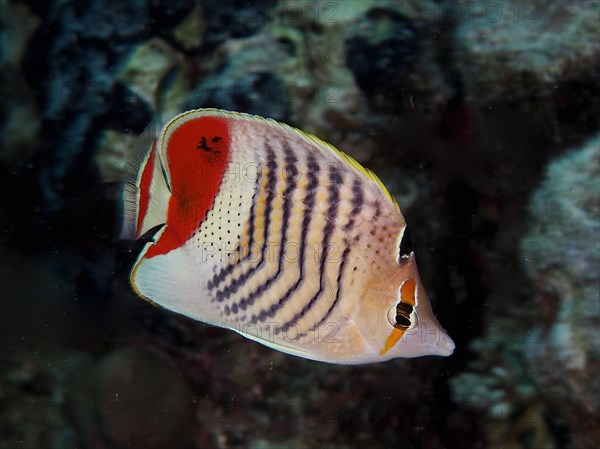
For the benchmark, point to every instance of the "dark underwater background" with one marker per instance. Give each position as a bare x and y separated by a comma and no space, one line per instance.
481,118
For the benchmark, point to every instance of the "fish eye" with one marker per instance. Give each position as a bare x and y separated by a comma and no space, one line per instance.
400,316
403,312
405,247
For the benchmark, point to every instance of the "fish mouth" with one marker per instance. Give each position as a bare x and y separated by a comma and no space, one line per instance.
445,346
429,338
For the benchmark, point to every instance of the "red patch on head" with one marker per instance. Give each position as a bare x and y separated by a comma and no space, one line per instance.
197,154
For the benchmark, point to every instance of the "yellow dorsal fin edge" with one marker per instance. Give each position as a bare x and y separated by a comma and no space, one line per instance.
346,158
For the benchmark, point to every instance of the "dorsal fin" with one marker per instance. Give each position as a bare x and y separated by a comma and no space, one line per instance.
350,161
346,159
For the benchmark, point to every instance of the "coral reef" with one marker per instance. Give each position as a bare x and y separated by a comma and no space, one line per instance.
564,358
157,74
533,56
507,49
538,361
248,79
72,63
500,391
381,52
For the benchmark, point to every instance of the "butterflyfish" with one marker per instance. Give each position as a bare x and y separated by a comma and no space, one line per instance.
258,227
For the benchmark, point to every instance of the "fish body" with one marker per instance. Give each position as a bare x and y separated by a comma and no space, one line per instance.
269,231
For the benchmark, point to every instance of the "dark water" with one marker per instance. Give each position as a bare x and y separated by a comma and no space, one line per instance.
481,118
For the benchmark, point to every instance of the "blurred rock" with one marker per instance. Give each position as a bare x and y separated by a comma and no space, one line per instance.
533,379
254,93
129,112
234,19
507,50
190,31
313,67
143,401
20,118
167,14
73,65
562,256
111,158
19,114
159,75
30,417
18,24
499,391
378,72
249,79
131,398
381,51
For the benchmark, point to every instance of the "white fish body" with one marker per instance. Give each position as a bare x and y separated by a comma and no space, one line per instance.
271,232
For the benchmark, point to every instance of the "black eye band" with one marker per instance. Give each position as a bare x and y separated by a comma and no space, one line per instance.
402,322
403,312
405,245
403,308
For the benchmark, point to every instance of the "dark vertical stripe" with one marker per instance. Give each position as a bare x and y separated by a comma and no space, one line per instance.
309,203
377,210
357,202
291,173
339,288
335,180
271,189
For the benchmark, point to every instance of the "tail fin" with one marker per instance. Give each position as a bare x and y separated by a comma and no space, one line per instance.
145,189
